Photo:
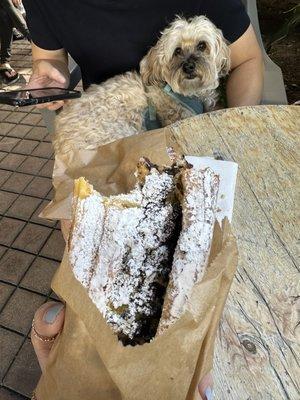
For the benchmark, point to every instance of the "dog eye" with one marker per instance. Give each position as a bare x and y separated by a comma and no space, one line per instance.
201,46
177,51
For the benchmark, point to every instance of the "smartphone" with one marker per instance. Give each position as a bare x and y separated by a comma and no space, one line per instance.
29,97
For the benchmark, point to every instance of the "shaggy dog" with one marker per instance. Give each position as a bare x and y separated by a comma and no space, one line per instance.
190,57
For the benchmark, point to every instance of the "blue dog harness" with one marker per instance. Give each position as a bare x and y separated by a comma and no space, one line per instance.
191,103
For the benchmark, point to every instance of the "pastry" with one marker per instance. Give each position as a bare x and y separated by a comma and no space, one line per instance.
124,249
198,203
121,249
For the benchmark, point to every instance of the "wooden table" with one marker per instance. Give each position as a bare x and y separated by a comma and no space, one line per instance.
257,350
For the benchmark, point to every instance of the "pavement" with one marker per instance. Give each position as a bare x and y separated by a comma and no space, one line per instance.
30,247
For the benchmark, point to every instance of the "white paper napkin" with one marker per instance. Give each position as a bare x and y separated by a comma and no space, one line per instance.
227,170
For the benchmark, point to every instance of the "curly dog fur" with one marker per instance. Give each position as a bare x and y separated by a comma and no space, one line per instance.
191,55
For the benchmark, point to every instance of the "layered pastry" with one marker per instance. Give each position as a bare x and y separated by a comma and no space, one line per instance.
139,254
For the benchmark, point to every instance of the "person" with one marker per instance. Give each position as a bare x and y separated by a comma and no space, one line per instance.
10,17
106,38
17,35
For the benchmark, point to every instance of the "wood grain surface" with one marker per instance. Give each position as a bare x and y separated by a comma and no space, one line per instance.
257,355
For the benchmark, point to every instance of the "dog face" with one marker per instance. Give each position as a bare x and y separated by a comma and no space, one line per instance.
190,56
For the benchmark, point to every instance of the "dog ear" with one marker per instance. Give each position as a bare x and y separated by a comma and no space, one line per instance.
151,67
222,55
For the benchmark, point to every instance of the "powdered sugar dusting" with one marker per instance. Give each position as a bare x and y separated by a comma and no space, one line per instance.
193,246
121,248
125,263
85,236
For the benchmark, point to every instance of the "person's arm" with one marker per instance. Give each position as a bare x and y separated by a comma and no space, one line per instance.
49,69
245,82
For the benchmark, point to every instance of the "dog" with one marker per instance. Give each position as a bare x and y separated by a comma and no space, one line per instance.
189,59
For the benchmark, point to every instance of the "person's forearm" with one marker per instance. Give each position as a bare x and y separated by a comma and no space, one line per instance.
57,58
50,55
245,84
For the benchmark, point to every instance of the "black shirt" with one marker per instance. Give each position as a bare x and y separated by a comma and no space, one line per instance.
109,37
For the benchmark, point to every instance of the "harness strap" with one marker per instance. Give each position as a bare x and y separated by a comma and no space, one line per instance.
150,119
191,103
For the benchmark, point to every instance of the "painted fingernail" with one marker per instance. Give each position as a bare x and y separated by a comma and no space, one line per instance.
52,313
208,393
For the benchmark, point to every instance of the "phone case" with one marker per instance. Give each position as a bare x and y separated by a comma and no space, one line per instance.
7,97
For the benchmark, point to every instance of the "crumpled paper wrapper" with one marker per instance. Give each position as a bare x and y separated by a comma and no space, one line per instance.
87,360
110,168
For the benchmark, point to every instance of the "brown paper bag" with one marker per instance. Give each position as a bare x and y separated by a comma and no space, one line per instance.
110,168
87,360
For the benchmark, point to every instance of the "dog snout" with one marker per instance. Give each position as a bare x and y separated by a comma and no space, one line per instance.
189,66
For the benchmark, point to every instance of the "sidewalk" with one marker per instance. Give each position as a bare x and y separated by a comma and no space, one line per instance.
30,247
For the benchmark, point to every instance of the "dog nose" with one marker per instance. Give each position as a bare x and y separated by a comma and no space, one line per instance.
189,66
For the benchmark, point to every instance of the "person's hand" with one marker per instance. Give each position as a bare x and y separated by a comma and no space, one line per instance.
49,320
48,323
16,3
49,73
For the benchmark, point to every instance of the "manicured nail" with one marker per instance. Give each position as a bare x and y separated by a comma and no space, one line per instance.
208,393
52,313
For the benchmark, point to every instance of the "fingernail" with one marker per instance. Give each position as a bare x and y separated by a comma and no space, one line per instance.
208,393
52,313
